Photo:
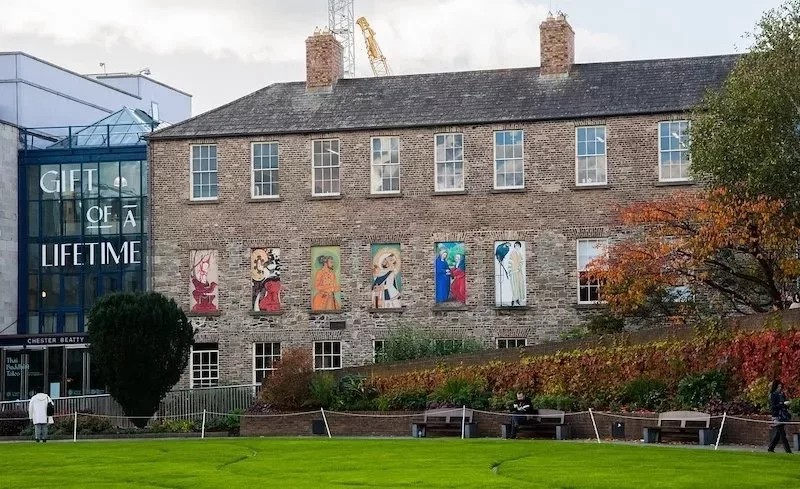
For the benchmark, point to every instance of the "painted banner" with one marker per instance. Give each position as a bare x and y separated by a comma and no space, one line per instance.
204,281
450,273
326,289
265,272
387,283
510,284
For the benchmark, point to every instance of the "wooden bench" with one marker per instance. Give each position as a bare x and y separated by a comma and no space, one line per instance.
445,421
681,426
546,423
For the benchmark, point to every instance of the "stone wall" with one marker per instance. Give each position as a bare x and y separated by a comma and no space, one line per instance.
398,424
9,241
550,214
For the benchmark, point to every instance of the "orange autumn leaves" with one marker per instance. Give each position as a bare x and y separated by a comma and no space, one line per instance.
740,248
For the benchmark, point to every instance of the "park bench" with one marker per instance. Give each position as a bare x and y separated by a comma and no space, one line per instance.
681,426
445,422
545,423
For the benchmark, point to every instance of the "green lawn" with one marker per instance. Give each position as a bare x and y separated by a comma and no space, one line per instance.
319,463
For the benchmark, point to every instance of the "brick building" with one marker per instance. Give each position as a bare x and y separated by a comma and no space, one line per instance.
322,214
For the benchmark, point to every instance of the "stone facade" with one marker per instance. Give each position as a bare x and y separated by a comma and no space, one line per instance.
550,214
9,241
557,41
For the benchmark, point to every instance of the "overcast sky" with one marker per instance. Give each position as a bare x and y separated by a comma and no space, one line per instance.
221,50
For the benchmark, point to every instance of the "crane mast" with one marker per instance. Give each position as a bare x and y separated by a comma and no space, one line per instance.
376,58
340,23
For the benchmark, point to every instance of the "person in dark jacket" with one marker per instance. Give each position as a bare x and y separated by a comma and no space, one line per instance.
521,407
780,415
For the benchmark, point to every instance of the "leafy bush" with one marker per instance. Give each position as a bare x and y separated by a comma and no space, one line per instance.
324,390
503,401
402,401
600,324
87,425
757,393
794,406
696,391
407,343
558,401
13,422
174,426
458,392
355,393
645,393
230,422
573,334
288,387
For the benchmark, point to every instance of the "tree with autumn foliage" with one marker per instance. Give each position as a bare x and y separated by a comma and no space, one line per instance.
707,244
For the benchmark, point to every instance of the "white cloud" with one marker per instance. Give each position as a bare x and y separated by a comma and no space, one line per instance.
416,35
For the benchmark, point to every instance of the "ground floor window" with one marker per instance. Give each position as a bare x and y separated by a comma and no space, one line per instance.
56,371
378,350
327,355
264,357
205,365
511,342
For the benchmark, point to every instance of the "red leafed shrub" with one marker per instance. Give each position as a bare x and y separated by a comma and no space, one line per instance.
289,385
599,376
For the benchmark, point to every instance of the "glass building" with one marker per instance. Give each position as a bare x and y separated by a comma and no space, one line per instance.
83,233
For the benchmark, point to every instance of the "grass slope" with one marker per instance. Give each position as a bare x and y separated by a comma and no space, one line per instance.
444,463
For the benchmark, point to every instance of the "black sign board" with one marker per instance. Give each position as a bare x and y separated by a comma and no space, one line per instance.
44,340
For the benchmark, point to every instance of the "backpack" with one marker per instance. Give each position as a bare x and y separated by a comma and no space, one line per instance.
51,409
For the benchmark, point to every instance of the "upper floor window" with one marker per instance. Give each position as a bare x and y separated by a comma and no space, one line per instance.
326,167
591,155
449,164
264,170
385,165
673,146
204,172
509,167
588,250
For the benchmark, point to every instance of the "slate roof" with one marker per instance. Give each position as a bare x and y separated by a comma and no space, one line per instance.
470,97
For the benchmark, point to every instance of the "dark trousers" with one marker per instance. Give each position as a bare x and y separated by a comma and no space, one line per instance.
516,420
779,434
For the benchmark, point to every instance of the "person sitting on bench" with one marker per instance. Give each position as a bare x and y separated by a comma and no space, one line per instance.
521,407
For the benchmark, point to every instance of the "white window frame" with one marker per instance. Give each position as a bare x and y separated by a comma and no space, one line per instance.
272,356
192,172
578,156
373,166
436,162
662,152
338,166
323,354
275,170
521,158
582,270
375,348
191,369
516,340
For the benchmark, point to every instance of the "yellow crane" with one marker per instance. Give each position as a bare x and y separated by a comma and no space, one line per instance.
376,58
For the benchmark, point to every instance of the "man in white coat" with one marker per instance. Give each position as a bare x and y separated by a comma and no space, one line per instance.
37,412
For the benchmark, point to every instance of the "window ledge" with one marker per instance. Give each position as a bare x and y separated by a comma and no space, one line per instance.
676,183
202,202
325,197
604,186
512,308
508,191
459,308
590,306
203,314
397,195
326,313
449,192
396,310
266,313
255,200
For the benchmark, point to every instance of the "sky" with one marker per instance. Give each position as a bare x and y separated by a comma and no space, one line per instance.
219,51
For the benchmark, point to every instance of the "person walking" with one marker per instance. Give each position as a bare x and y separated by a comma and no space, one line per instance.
520,410
780,415
40,411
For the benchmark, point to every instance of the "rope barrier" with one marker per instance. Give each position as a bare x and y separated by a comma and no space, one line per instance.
304,413
763,421
154,417
360,415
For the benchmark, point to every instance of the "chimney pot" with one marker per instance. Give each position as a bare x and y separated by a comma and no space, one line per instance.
557,43
324,61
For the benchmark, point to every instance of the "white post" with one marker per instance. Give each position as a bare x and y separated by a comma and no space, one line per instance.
327,428
203,427
75,426
463,420
721,426
596,433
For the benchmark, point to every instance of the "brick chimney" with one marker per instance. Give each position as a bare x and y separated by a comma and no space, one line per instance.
557,46
324,62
